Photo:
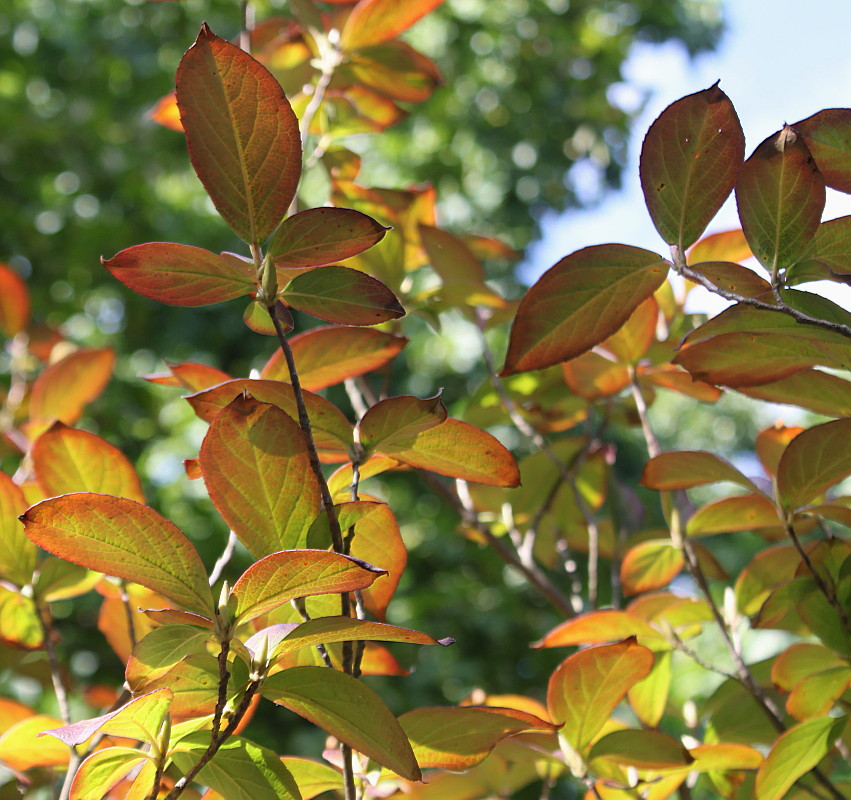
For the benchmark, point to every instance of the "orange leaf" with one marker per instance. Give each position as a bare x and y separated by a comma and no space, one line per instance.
596,627
721,246
650,565
398,419
243,137
730,514
195,377
22,748
684,469
375,21
14,301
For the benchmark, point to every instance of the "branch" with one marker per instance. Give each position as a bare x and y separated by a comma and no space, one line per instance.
224,559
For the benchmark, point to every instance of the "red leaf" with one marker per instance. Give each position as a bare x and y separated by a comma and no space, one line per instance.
257,471
243,137
178,275
689,161
375,21
780,195
579,302
342,295
321,236
66,387
14,301
328,355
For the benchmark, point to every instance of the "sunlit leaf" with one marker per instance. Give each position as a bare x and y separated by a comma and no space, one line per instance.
689,162
376,21
771,443
678,380
243,137
801,660
67,386
730,514
579,302
195,377
241,769
458,450
103,770
399,419
14,301
641,749
321,236
20,624
70,460
723,246
794,754
815,695
650,565
342,295
459,738
780,195
347,709
122,538
313,777
280,577
61,580
161,650
178,275
813,462
17,553
593,376
687,468
22,747
257,471
328,355
633,340
649,697
587,686
116,615
827,136
596,627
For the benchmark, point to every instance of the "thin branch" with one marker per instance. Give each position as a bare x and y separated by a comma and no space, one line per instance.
298,604
224,559
128,612
224,678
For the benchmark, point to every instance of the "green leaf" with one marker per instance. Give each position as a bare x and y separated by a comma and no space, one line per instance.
461,737
641,749
813,462
321,236
313,777
815,695
794,754
178,275
332,432
122,538
649,697
580,302
685,469
140,719
399,419
17,553
328,355
376,21
162,649
801,660
458,450
70,460
20,624
820,392
584,690
689,162
780,194
240,770
61,580
348,710
342,295
103,769
280,577
195,684
828,136
831,246
257,471
243,137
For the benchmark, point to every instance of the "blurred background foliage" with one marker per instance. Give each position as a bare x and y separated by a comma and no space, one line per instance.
533,109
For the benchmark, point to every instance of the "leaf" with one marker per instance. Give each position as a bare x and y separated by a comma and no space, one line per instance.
771,443
195,377
102,770
815,695
593,376
195,684
139,719
240,770
348,710
22,747
826,134
685,469
70,460
328,355
375,21
794,754
811,389
596,627
459,738
579,302
161,650
641,749
61,580
20,624
257,470
831,245
332,432
67,386
342,295
280,577
813,462
313,777
14,302
649,565
457,450
584,690
735,278
649,697
780,196
689,162
243,137
800,661
730,514
17,553
723,246
122,538
399,419
178,275
631,343
321,236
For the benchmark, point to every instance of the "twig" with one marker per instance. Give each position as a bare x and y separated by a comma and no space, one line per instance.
224,678
298,604
128,612
224,559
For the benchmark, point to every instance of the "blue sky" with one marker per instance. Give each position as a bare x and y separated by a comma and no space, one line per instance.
779,61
